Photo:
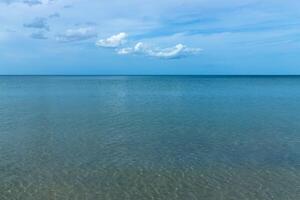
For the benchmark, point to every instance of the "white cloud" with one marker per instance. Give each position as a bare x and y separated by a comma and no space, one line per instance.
174,52
113,41
72,35
177,51
124,51
139,48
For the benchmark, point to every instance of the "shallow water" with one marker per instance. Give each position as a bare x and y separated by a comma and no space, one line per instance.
147,137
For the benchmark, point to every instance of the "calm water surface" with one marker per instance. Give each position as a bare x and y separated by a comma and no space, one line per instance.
161,138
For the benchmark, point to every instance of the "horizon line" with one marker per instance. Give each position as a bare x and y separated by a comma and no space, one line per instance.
149,74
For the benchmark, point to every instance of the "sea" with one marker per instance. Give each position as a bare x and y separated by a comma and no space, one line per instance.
150,137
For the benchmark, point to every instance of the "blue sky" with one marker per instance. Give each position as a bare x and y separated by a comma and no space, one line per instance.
149,37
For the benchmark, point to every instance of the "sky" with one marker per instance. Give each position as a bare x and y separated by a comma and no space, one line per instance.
149,37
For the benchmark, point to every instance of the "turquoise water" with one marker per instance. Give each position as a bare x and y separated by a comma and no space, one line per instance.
149,137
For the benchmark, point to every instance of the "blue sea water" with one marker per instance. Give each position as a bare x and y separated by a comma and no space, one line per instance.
150,137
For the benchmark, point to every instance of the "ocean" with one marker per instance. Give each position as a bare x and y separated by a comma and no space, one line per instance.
150,137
